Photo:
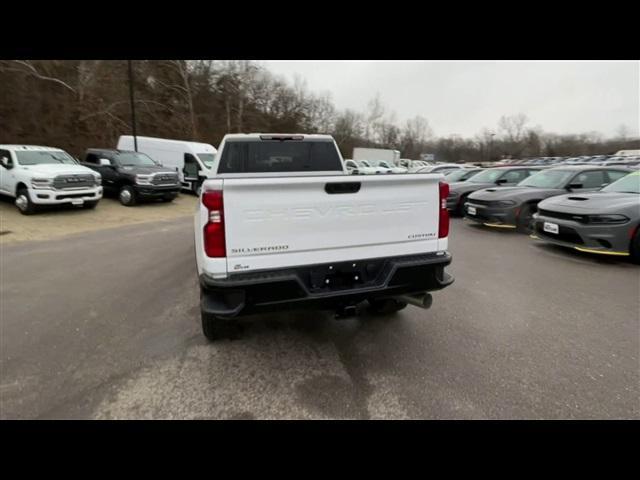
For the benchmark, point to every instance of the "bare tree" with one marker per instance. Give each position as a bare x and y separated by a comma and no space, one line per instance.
374,115
513,126
26,67
182,86
514,132
622,132
77,104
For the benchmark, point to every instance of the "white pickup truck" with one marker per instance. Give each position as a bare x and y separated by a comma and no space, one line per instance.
46,176
282,225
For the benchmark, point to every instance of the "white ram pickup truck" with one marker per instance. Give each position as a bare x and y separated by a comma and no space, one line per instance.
46,176
281,225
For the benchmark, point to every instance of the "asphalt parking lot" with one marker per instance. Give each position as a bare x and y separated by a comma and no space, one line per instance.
105,324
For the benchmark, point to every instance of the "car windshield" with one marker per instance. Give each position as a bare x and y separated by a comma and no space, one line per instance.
547,179
488,176
459,175
37,157
628,184
364,163
207,159
133,159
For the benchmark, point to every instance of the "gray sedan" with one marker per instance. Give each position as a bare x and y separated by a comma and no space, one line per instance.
491,177
512,207
605,222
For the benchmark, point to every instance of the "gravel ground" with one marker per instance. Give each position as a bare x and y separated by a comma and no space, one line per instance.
58,222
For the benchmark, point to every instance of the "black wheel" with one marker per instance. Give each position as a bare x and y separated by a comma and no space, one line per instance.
215,328
197,189
24,203
525,218
460,208
90,205
634,248
168,198
127,196
385,306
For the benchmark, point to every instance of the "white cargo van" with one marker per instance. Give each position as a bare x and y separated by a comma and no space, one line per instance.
192,160
369,154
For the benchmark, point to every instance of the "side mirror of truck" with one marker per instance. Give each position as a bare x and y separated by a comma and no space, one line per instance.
502,181
104,162
573,186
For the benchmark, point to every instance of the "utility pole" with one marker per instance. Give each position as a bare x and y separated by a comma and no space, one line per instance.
133,107
490,146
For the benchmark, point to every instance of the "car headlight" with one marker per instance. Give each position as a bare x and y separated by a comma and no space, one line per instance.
143,179
607,219
98,179
41,182
506,203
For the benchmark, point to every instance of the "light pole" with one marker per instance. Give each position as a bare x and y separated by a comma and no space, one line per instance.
133,107
490,145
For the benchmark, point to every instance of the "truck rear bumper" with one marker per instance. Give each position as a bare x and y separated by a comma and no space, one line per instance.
324,286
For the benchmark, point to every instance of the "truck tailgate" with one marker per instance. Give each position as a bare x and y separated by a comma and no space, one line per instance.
279,222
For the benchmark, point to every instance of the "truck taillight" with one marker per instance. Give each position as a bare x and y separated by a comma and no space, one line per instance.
443,225
214,243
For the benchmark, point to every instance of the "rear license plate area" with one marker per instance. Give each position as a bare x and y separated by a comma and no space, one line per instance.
343,275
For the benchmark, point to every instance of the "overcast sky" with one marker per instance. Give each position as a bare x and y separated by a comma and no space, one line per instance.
462,97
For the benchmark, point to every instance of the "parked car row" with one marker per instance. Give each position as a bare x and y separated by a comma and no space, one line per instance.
141,170
373,167
627,160
591,208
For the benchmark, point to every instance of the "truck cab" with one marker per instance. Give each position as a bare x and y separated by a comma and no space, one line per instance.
132,176
36,176
191,160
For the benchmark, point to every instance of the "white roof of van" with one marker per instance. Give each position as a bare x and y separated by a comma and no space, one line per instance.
168,140
30,147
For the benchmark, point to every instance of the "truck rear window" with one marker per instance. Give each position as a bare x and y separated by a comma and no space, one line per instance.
279,156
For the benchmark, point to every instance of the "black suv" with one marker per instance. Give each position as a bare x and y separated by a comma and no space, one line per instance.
133,176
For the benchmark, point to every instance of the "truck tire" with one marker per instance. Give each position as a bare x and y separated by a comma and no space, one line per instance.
197,188
525,218
385,306
215,328
634,248
90,205
460,207
127,196
24,203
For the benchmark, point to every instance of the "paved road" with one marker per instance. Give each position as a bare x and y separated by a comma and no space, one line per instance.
106,325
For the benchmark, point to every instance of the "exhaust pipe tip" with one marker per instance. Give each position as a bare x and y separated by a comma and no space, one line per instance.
346,312
422,300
